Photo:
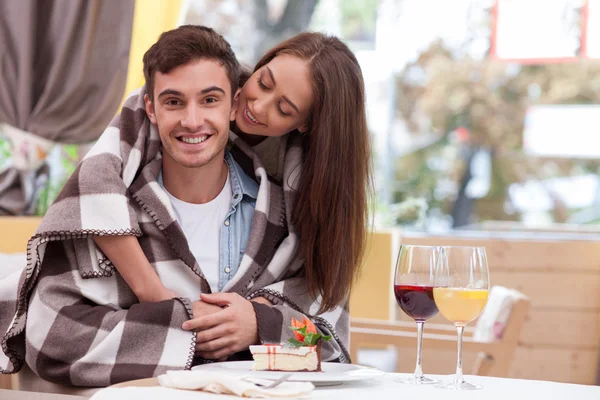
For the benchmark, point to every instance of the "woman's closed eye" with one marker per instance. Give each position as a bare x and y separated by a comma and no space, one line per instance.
265,87
262,84
281,110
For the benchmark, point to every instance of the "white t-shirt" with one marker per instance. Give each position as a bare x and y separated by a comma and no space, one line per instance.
201,224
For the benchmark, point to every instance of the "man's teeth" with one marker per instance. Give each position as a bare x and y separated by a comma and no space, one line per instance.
194,140
251,117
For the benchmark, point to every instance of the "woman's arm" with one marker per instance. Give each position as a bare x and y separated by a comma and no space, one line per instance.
128,258
262,300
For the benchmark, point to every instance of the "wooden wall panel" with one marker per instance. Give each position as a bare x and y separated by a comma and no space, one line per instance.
512,254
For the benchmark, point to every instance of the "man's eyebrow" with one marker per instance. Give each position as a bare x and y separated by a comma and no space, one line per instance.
291,103
170,92
174,92
212,89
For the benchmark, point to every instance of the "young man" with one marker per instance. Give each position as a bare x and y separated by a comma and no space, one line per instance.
149,177
192,209
191,80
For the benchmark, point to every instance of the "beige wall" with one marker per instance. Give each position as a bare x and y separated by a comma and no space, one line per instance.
15,232
371,294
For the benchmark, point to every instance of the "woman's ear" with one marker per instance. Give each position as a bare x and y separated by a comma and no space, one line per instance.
303,129
150,109
235,105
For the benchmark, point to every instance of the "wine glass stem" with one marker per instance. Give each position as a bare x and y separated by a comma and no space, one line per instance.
459,372
418,369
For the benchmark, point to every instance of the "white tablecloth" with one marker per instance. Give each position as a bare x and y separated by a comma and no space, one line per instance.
386,388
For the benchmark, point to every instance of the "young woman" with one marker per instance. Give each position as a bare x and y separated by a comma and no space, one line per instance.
308,88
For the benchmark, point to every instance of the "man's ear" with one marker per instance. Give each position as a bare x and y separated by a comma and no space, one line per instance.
235,105
150,109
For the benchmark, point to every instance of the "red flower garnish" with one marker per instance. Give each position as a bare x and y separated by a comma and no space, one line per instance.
306,323
305,332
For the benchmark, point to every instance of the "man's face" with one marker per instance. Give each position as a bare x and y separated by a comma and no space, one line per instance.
192,109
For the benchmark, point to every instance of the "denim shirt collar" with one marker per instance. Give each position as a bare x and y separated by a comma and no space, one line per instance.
241,184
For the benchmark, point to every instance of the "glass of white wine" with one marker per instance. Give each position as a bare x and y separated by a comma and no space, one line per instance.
460,291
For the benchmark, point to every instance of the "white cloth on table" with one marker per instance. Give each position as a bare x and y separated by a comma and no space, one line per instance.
387,388
217,382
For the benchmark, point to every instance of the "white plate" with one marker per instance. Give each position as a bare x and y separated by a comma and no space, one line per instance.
332,373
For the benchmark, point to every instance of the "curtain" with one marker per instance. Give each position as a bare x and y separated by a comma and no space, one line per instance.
151,18
63,68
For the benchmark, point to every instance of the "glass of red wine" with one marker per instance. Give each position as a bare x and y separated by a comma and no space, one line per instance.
413,287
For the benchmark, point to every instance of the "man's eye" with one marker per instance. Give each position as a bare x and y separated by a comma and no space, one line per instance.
211,100
172,102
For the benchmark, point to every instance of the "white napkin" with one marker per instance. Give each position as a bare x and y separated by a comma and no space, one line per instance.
495,315
218,382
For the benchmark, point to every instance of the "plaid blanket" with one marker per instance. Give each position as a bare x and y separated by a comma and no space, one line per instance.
73,319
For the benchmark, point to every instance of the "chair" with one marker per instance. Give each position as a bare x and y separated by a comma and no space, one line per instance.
495,336
14,234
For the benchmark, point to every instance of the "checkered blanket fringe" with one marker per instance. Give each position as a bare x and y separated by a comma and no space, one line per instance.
85,326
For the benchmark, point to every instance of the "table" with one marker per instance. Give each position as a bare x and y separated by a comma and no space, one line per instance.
376,389
6,394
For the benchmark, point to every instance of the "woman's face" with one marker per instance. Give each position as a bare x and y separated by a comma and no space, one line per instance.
276,99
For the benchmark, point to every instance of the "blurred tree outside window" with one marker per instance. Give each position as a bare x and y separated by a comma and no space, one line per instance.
470,104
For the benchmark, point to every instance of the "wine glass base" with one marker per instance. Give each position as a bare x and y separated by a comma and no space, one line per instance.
413,380
459,386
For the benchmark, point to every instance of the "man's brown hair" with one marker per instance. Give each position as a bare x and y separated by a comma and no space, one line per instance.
186,44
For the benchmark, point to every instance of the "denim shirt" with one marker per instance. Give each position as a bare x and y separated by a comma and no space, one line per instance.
238,222
236,227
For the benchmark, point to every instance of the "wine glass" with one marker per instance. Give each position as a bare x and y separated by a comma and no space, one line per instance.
413,288
461,291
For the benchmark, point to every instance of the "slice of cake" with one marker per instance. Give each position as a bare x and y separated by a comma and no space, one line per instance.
276,357
300,354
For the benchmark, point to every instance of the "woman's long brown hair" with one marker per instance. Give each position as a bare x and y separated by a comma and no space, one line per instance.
330,212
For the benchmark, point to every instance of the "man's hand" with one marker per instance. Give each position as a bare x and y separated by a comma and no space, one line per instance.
228,331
